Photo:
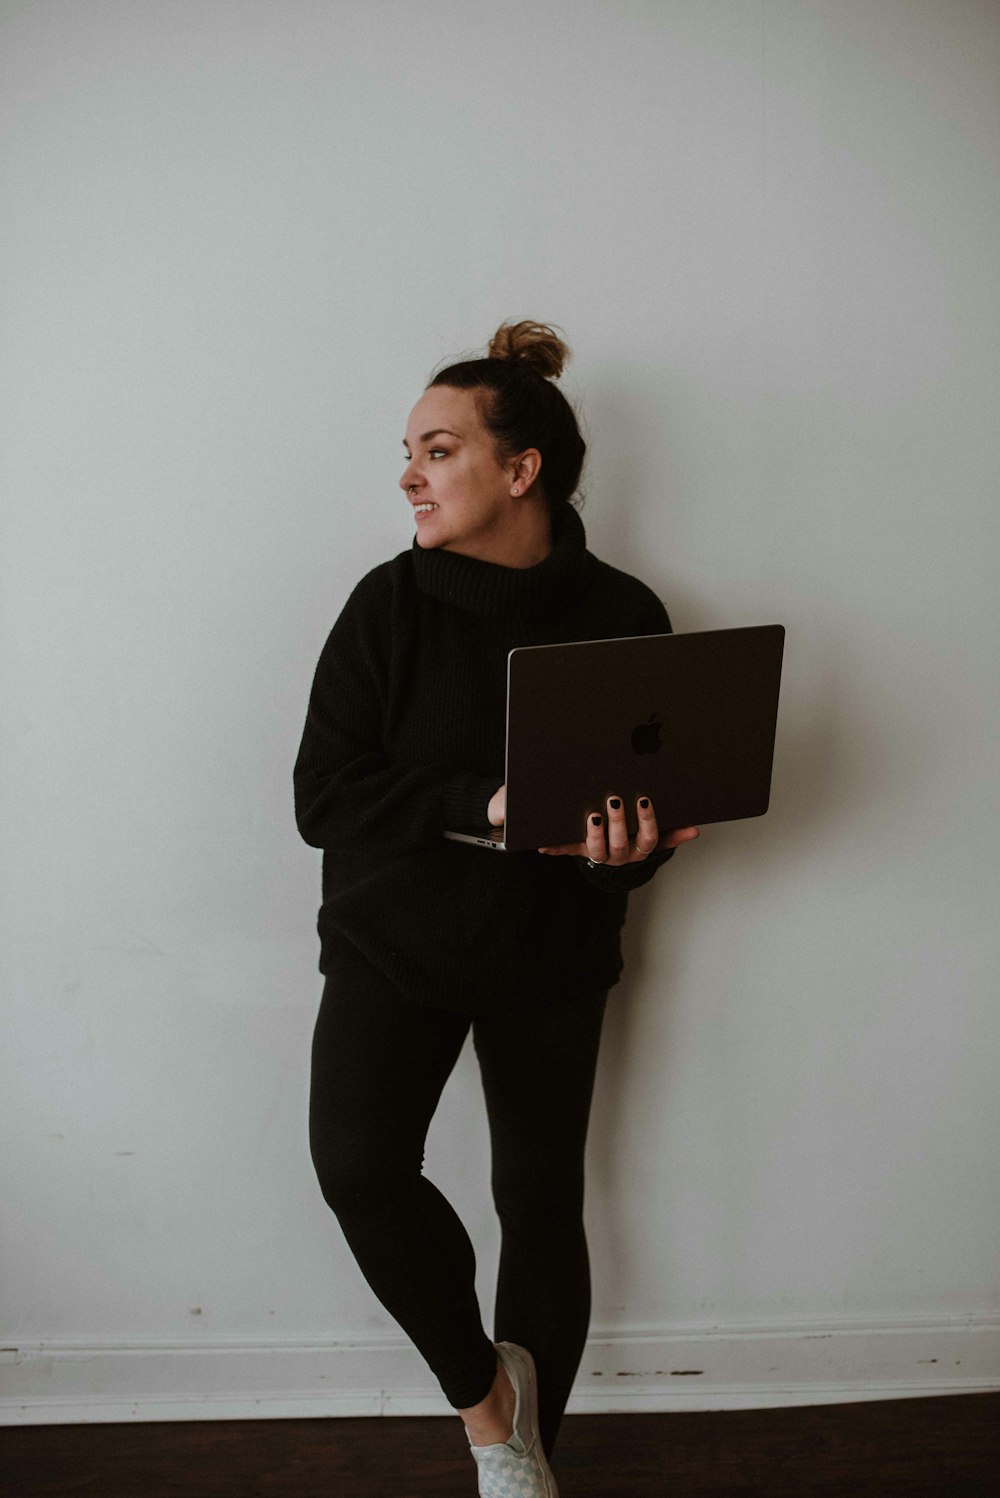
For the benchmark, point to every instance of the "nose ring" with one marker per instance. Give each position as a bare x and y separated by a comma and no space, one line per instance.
412,489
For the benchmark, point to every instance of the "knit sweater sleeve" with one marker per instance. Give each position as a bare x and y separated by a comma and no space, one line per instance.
348,793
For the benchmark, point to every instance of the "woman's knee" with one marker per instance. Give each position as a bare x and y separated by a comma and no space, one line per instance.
533,1199
357,1183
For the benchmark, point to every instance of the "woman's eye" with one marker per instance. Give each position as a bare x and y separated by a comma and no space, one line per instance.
435,452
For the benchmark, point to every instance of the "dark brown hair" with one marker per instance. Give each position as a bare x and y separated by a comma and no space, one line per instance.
521,407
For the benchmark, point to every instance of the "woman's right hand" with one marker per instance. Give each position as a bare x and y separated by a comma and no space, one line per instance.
496,812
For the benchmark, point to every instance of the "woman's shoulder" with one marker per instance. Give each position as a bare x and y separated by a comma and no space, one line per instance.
613,587
383,582
371,611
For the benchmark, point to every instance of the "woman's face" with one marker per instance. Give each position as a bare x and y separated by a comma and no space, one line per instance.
460,493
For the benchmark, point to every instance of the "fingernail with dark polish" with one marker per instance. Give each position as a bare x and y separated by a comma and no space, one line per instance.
614,803
644,802
596,819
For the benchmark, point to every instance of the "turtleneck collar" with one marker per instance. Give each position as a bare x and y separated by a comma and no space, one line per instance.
493,591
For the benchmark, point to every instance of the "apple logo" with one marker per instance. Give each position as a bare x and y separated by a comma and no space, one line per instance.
647,737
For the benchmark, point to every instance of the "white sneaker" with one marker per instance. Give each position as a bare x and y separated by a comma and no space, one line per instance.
517,1468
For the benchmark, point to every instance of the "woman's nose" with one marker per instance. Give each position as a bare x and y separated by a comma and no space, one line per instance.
409,478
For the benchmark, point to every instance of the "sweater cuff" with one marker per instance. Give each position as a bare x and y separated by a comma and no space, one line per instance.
465,800
629,876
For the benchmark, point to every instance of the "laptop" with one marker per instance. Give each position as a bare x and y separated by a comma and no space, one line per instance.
685,719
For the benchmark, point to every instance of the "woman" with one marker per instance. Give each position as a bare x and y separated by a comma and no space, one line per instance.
422,938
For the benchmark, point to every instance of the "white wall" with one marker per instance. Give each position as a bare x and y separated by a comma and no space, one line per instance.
236,240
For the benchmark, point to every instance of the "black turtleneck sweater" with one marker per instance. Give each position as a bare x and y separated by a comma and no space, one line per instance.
404,737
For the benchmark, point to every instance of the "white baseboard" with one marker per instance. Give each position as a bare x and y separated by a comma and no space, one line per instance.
700,1368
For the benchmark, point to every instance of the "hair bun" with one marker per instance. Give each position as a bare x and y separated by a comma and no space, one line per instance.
533,343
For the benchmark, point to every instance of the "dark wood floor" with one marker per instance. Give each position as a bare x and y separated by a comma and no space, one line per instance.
914,1448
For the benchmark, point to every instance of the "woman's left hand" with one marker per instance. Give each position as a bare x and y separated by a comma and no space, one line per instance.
607,840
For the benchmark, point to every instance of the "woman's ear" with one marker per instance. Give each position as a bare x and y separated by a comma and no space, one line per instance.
526,469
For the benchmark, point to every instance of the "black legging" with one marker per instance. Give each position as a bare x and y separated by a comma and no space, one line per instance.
379,1065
